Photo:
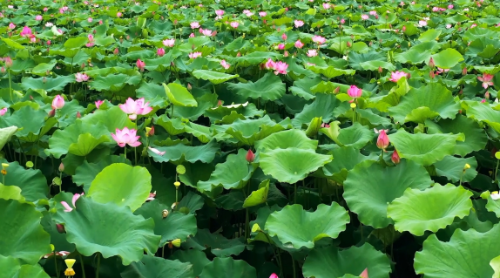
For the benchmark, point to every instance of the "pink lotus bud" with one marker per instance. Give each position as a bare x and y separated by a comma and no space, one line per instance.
160,52
8,62
337,90
464,71
380,70
349,44
189,87
151,131
431,63
60,228
364,274
219,103
116,51
487,95
395,157
78,115
250,156
2,70
52,113
140,64
284,37
58,102
382,140
61,167
274,275
432,74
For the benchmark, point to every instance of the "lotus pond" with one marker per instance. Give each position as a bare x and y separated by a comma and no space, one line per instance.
249,139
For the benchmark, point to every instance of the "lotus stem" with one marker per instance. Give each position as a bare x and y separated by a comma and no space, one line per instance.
10,87
496,171
125,152
98,265
55,258
247,227
294,270
83,266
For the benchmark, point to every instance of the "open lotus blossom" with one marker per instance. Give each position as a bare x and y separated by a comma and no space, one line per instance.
169,42
98,103
12,26
326,6
81,77
248,13
262,14
194,55
365,17
281,46
126,137
495,195
73,201
319,39
299,44
486,79
395,76
134,108
91,42
219,12
383,139
206,32
119,14
312,53
156,151
225,64
270,64
234,24
280,68
140,64
26,31
38,18
422,23
194,25
354,91
374,13
58,102
298,23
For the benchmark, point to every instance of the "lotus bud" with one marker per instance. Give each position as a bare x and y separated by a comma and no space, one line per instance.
431,63
177,184
78,115
8,62
2,70
466,166
395,157
52,113
189,87
364,274
487,95
337,90
176,243
250,156
380,70
382,140
60,228
274,275
151,131
61,167
464,71
431,74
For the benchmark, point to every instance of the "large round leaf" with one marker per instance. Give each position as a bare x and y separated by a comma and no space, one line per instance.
453,168
483,112
29,119
11,267
369,187
179,95
155,267
293,138
308,227
447,58
32,182
196,257
180,153
292,164
466,254
355,136
121,184
424,148
176,225
330,262
5,134
21,235
228,268
429,210
108,229
269,87
213,76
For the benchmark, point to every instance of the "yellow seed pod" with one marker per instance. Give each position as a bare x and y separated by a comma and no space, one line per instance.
176,243
467,166
177,184
148,129
5,165
353,105
497,155
255,228
69,262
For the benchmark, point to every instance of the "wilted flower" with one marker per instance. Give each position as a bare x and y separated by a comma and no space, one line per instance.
58,102
126,137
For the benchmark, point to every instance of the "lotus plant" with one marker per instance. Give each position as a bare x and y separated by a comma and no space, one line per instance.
68,208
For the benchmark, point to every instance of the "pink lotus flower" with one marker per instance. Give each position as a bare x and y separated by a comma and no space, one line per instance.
206,32
151,197
274,275
312,53
191,35
374,13
383,139
486,79
395,76
364,274
325,125
270,64
422,23
140,64
298,23
234,24
134,108
319,39
299,44
262,14
3,111
219,12
126,137
280,68
91,41
365,17
250,157
326,6
38,18
119,14
225,64
26,31
160,52
281,46
395,159
195,25
81,77
156,151
169,42
73,201
354,91
58,102
12,26
450,7
247,13
284,36
194,55
98,103
8,62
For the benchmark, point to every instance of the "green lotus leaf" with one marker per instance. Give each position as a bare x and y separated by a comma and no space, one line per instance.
495,264
192,202
466,254
121,184
172,126
201,132
57,239
111,118
422,148
205,102
314,126
47,84
329,262
248,131
66,115
375,65
176,225
76,42
356,135
78,138
155,267
180,153
5,134
430,35
153,93
11,267
11,193
447,58
475,136
369,187
213,76
218,244
322,107
42,68
179,95
417,54
493,206
330,71
308,227
257,57
12,44
87,172
344,160
27,118
483,112
196,257
115,231
426,102
356,59
114,82
292,164
454,168
33,183
21,235
293,138
302,87
269,87
235,172
429,210
258,196
228,268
